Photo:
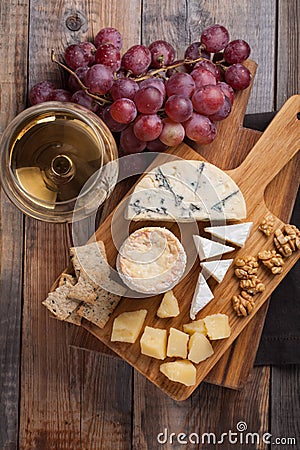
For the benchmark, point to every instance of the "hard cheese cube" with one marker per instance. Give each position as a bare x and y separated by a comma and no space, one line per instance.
177,343
154,342
182,371
169,306
127,326
196,325
199,348
217,326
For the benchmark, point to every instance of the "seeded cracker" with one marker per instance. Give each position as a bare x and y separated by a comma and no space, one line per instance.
105,303
90,259
91,268
58,302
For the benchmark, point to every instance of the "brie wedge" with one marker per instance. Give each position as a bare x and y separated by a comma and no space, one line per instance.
209,249
202,296
217,269
236,234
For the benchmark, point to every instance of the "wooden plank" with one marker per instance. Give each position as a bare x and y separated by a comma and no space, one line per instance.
285,406
13,74
202,413
101,398
49,415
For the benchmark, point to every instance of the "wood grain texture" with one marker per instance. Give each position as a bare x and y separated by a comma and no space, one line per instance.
285,404
49,418
13,76
210,409
101,399
285,380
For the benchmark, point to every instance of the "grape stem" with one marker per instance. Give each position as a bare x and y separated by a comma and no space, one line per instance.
102,101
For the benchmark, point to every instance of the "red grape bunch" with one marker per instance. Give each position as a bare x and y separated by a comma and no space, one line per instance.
147,96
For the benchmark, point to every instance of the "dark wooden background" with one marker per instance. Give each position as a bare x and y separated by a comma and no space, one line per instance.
57,391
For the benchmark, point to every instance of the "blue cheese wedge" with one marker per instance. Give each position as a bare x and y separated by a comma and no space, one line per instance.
217,269
236,234
186,190
201,298
210,249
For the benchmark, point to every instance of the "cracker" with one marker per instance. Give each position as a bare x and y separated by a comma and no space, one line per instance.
105,303
74,317
91,260
83,290
58,302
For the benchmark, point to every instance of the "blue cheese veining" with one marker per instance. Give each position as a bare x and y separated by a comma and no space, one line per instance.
184,190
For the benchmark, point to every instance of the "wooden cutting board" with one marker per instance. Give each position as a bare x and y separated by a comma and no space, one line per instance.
273,151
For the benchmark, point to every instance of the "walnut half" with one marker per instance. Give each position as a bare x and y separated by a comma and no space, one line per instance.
242,304
287,240
272,260
267,225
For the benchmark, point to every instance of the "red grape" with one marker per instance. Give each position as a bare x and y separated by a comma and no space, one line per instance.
81,73
89,50
130,143
208,65
148,100
237,51
86,100
123,110
40,92
215,38
156,146
200,128
124,88
208,99
172,133
99,79
108,55
147,127
238,77
109,35
202,77
179,108
223,112
114,126
77,56
162,54
194,51
137,59
181,84
60,95
227,91
155,82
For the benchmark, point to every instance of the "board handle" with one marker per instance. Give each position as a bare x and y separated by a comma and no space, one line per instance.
275,148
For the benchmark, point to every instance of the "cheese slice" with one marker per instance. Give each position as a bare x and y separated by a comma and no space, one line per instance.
209,249
169,306
236,234
201,298
217,326
182,371
217,269
184,191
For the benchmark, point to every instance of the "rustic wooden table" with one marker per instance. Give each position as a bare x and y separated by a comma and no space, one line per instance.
58,388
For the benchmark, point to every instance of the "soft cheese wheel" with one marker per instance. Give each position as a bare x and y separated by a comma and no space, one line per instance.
151,260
